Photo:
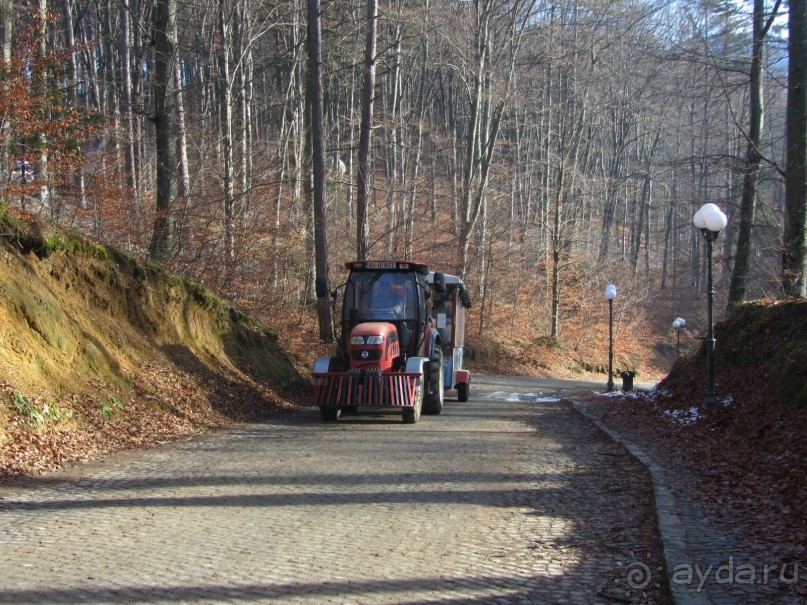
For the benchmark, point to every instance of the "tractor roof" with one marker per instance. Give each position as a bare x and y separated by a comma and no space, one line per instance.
387,265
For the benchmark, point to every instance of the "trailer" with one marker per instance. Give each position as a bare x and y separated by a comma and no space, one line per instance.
449,312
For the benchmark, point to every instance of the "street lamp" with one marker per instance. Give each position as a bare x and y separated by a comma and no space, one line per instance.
711,221
610,294
677,325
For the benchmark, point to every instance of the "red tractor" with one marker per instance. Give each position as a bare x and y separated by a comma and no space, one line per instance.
391,352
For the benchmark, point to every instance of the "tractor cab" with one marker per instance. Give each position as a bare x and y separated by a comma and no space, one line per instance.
390,292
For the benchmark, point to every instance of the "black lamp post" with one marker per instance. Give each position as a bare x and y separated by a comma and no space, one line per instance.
610,294
711,221
677,325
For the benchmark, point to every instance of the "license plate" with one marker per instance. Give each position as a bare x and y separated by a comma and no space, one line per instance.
378,265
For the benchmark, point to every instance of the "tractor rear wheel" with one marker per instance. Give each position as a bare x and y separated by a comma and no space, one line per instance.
433,402
462,391
412,415
329,413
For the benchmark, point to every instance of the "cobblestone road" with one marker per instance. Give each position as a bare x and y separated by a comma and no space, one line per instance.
503,499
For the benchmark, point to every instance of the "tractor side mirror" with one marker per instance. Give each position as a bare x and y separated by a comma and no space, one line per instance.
440,282
321,287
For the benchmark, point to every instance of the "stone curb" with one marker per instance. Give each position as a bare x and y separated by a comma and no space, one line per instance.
670,523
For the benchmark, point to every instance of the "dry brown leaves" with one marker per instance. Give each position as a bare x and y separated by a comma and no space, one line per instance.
744,457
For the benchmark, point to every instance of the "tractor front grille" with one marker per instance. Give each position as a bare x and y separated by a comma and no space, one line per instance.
368,388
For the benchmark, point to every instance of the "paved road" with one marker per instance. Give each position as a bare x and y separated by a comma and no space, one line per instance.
511,497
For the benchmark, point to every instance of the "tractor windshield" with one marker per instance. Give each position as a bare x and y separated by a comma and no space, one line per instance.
382,296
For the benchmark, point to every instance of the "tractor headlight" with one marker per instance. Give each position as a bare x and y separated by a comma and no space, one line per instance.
375,340
357,340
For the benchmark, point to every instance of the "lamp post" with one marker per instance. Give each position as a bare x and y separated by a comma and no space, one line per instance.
711,221
677,325
610,294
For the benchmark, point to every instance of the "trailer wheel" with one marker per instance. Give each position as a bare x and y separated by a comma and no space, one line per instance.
412,415
433,402
462,391
329,413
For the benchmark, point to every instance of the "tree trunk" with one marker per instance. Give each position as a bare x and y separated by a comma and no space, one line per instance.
126,100
365,132
44,191
70,86
794,256
186,237
7,24
163,239
226,119
753,159
318,165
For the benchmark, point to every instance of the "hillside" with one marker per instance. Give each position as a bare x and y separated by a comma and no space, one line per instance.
100,353
744,457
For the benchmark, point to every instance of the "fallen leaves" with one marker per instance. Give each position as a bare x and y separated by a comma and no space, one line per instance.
744,458
164,404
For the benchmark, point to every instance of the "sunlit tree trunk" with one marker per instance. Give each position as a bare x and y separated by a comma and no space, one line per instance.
70,86
41,87
126,100
185,231
363,173
318,165
163,239
226,126
6,40
7,24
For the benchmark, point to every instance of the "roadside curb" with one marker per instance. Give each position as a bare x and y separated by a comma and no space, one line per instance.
670,524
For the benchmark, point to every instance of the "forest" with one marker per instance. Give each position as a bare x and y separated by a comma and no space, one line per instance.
537,149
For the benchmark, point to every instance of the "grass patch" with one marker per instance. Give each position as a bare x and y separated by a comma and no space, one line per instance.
110,407
35,416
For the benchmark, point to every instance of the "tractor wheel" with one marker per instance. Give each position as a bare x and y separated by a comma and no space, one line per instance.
329,413
412,415
433,402
349,409
462,391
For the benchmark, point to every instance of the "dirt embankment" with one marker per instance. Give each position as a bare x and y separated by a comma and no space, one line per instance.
99,352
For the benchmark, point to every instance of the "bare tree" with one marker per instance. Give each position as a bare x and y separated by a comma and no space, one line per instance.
753,155
163,238
126,99
498,29
318,165
794,257
226,127
363,173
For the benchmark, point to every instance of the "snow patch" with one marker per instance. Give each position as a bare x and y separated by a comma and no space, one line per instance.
534,397
683,417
